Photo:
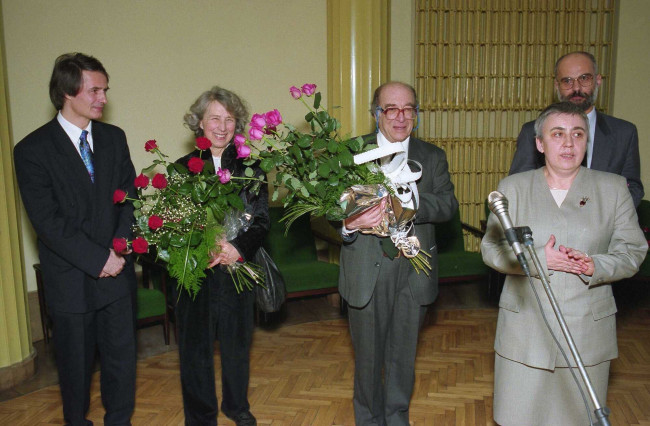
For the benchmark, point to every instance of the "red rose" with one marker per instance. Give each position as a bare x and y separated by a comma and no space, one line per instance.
119,196
150,145
141,181
195,165
140,245
155,222
119,245
203,143
159,181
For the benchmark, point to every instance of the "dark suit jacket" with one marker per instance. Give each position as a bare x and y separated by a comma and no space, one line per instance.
616,150
247,243
360,258
74,219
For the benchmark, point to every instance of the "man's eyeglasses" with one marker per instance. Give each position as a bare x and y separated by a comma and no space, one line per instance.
391,113
585,80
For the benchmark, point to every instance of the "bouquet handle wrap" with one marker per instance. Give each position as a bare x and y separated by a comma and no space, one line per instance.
270,297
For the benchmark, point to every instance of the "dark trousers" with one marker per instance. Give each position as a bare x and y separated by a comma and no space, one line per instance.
76,337
385,335
217,311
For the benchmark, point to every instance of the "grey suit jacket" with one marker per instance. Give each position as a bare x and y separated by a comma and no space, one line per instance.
597,217
74,219
616,150
361,258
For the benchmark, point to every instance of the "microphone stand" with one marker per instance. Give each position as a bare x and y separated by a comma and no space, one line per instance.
601,412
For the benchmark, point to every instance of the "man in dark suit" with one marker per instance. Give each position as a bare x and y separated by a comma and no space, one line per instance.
613,143
67,172
387,298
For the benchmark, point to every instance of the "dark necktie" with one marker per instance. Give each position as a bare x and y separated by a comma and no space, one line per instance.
87,154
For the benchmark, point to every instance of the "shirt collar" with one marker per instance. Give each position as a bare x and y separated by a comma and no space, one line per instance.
74,132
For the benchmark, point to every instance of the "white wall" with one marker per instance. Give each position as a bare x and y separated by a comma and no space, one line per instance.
631,100
160,55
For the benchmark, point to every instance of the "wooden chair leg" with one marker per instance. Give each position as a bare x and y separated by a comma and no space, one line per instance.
45,317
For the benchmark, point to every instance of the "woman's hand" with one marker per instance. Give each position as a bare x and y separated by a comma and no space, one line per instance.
227,256
582,258
567,259
367,219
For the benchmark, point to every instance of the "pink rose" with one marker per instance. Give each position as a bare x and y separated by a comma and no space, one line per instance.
258,121
308,89
203,143
195,165
119,245
140,245
159,181
155,222
119,196
150,145
255,133
273,118
141,181
239,139
295,92
243,151
224,175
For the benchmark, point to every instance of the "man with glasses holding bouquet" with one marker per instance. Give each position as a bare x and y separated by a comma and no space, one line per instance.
613,143
387,297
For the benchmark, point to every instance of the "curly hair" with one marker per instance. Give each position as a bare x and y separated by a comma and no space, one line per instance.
233,104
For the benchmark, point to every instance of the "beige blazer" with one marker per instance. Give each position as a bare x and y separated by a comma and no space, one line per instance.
597,217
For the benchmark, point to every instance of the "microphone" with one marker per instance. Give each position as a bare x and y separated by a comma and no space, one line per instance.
498,204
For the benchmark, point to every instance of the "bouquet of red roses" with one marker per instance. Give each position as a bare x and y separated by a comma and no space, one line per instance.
181,211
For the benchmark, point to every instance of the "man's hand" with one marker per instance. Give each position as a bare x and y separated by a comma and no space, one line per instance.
114,265
367,219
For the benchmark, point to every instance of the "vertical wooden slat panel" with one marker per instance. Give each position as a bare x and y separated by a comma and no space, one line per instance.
484,68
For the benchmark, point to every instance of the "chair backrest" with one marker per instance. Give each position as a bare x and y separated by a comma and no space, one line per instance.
298,245
449,235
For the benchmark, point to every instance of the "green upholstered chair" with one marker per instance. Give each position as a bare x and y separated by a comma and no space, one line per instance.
296,257
151,303
455,264
153,306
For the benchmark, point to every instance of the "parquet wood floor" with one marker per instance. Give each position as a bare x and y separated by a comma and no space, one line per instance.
302,375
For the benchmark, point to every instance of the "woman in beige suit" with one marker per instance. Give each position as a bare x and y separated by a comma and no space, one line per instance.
587,235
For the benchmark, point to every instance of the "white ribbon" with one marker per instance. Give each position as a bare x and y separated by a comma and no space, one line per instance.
397,171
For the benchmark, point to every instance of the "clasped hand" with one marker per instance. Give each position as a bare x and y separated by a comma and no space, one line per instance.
114,264
566,259
227,256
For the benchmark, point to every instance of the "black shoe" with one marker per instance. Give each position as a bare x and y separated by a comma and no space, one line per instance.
245,418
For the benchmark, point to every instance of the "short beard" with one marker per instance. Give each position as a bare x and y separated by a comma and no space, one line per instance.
587,103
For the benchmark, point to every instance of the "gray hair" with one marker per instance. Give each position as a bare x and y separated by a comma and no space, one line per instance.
230,101
559,108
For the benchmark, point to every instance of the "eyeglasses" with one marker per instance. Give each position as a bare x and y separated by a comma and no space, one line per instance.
392,113
584,80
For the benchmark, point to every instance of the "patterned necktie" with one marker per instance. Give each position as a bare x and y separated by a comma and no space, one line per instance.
87,154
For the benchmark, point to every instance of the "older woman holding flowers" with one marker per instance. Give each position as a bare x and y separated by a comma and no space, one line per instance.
217,118
587,236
